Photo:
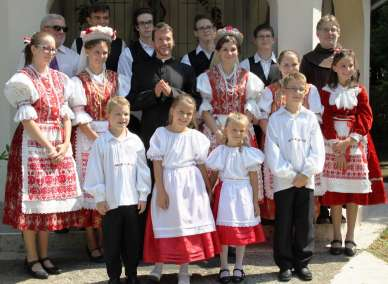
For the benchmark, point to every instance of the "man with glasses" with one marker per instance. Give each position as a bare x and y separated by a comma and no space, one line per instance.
205,32
65,60
316,64
137,53
263,62
98,14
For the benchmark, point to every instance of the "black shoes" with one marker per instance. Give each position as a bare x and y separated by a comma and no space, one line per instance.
39,274
224,279
336,247
50,270
238,278
304,274
285,275
95,259
114,281
350,248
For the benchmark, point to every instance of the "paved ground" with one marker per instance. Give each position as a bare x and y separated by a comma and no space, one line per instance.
364,268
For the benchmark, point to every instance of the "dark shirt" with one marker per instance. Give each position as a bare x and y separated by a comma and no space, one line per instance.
256,68
199,62
180,77
309,66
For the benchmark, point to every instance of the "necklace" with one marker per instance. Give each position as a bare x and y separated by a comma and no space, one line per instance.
99,90
230,86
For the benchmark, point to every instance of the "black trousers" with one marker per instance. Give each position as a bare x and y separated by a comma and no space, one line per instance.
294,229
121,241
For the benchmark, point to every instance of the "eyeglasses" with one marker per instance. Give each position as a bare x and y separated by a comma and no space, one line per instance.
145,23
47,49
58,28
264,36
327,30
205,28
295,89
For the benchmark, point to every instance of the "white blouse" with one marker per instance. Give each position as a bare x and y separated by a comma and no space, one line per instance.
253,92
234,163
314,101
117,171
21,93
78,100
178,150
294,145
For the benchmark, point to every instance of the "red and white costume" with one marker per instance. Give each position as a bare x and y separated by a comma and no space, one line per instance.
39,194
91,95
223,94
347,113
185,232
233,207
270,101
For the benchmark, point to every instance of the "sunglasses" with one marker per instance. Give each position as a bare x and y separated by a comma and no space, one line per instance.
58,28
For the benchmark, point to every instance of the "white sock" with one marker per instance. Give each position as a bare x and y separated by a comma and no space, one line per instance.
240,251
184,269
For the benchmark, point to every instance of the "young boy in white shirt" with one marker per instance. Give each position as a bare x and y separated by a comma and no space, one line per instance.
295,152
118,177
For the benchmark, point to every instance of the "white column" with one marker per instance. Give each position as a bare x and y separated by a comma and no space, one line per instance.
294,22
17,19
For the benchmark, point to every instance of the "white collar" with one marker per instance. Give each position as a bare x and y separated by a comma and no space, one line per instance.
301,111
343,97
145,45
258,58
200,48
110,136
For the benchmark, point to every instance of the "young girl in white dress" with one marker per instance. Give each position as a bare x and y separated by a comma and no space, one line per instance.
236,208
180,227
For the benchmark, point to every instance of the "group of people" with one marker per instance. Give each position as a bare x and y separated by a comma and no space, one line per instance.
219,143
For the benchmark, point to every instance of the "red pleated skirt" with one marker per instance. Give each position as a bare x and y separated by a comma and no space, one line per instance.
13,214
235,236
179,250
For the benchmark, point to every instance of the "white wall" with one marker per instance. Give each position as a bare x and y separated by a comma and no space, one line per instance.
17,19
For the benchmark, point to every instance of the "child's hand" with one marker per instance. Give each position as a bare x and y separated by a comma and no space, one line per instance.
256,207
340,147
141,206
340,162
162,199
102,207
300,181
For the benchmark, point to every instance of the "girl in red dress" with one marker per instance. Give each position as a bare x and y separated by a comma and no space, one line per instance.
42,190
352,174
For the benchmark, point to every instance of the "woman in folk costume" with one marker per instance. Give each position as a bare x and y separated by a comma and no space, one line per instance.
42,191
270,101
226,88
352,174
93,87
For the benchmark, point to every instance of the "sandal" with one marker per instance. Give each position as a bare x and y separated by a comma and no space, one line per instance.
350,248
39,274
336,250
223,279
238,279
50,269
96,259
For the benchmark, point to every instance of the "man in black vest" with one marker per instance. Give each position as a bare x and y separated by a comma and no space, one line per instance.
205,32
137,53
263,62
98,14
157,81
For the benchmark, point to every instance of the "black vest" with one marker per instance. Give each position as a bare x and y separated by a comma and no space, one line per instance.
199,62
138,53
115,51
273,75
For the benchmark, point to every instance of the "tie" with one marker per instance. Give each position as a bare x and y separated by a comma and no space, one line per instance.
54,64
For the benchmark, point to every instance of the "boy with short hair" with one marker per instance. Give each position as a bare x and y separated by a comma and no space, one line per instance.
295,152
